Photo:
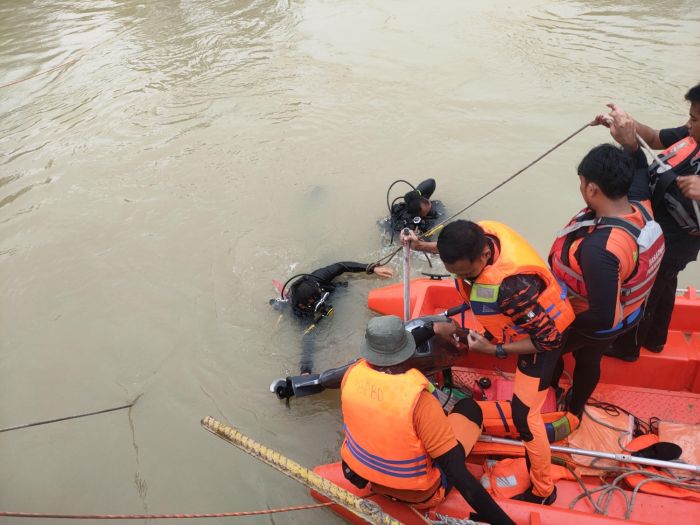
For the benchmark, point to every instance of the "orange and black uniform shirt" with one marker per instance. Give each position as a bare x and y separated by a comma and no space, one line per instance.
517,299
607,257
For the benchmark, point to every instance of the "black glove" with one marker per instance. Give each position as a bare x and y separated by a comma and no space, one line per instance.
282,388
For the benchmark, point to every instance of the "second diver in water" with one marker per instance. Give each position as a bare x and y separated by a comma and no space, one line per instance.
415,210
308,298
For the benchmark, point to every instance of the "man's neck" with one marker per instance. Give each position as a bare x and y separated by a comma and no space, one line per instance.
613,208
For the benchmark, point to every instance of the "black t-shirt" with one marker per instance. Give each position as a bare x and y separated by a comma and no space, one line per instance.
670,136
681,248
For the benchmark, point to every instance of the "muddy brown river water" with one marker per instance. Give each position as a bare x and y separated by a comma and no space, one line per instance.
182,154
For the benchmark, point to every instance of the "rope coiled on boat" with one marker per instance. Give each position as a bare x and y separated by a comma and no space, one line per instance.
441,519
606,490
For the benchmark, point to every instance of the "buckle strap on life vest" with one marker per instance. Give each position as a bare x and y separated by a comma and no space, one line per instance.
617,222
611,222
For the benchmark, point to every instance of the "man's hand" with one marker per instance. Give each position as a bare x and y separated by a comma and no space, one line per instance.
383,271
690,186
479,343
448,331
601,120
409,239
623,128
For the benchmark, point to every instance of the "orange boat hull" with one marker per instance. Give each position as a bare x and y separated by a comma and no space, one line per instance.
665,385
648,508
677,368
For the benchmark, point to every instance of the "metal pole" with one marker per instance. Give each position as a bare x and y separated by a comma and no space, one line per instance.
624,458
406,280
663,167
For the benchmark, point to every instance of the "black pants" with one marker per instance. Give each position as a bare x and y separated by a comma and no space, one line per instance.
588,354
653,328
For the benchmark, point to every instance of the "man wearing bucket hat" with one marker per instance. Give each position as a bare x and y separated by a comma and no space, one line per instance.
397,436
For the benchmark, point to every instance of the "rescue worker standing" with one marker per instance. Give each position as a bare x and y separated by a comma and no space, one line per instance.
524,310
397,436
608,256
671,194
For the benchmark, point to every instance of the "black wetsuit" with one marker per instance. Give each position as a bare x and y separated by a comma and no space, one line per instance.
681,249
309,320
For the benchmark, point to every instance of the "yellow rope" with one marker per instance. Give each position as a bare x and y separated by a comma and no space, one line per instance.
365,509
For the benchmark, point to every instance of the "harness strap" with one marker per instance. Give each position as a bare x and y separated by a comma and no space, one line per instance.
503,417
617,222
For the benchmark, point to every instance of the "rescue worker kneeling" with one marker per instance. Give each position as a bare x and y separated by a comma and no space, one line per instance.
397,436
524,310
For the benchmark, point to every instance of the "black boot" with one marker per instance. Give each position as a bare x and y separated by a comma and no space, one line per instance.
533,498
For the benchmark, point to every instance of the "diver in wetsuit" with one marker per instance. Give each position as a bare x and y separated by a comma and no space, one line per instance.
308,296
415,211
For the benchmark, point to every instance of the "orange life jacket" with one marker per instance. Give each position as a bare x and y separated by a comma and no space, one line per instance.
508,477
653,487
381,443
684,158
636,287
515,256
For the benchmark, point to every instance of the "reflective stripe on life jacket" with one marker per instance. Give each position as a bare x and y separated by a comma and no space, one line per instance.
636,287
514,256
684,158
381,443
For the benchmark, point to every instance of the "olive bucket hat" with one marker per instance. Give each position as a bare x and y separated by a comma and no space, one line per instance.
387,342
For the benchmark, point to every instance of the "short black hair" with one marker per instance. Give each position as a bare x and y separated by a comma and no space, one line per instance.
610,168
413,200
461,240
693,94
